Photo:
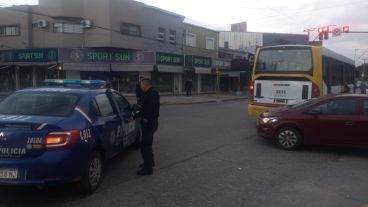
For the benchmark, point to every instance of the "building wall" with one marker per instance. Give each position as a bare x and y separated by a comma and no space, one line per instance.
106,16
128,12
201,34
239,27
247,41
284,39
155,18
17,15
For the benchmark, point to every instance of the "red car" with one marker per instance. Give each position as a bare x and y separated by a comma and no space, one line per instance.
340,120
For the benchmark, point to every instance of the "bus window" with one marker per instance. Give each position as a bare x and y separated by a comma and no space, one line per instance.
284,60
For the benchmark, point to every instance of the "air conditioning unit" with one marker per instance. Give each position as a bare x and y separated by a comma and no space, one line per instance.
42,23
87,23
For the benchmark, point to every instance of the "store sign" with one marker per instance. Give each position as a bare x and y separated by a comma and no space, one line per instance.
108,55
30,55
198,61
169,59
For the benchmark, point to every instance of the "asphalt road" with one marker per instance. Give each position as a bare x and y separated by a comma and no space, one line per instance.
209,155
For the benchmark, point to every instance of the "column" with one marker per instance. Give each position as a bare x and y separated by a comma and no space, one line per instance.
199,82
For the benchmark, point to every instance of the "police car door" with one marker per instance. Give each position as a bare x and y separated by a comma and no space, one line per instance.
108,124
128,124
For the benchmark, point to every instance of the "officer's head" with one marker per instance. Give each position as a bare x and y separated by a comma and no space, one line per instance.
146,84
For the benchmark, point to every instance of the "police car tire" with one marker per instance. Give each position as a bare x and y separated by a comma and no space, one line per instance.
138,139
85,185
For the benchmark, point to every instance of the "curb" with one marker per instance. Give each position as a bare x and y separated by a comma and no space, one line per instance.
203,102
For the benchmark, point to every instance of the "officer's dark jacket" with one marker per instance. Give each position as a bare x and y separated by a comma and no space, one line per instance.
150,104
138,91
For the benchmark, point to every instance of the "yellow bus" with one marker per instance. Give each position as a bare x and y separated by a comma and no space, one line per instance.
288,74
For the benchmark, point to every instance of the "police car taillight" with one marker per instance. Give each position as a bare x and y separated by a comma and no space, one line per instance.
61,140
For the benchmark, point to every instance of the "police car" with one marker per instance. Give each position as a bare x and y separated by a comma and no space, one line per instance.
64,133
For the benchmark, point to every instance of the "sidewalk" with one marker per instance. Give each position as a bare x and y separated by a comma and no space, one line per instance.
195,99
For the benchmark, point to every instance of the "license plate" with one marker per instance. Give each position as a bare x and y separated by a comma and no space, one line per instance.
280,100
8,173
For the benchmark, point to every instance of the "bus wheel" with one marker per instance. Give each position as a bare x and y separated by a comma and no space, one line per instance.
288,138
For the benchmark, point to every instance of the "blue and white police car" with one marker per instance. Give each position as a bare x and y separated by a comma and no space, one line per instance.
64,133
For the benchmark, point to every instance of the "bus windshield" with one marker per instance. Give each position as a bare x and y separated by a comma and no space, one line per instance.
284,60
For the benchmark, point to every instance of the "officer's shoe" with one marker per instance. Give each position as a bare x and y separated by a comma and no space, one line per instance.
145,171
142,165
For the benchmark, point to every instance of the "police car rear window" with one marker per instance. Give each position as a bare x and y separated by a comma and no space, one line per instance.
39,103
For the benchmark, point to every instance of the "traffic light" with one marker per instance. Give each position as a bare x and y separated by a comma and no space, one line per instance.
325,32
345,29
320,33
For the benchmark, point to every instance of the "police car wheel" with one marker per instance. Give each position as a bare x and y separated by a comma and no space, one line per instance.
138,139
92,174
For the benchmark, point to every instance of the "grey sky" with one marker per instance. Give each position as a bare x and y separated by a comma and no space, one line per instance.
279,16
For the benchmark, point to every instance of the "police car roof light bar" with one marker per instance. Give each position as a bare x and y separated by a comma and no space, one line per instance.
80,83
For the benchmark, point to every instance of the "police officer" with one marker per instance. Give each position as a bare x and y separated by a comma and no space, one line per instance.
149,112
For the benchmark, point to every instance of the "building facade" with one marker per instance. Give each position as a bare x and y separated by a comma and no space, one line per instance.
119,43
201,56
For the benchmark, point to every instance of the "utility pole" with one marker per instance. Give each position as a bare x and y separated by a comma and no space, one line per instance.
364,72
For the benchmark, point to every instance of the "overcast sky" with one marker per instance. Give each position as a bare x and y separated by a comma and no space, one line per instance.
275,16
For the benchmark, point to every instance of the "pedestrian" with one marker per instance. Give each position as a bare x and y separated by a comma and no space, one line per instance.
149,113
363,87
188,87
138,91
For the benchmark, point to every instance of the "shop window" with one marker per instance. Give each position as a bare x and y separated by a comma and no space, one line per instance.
25,77
163,81
208,83
7,80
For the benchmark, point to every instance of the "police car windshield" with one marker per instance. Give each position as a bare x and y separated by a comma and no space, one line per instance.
39,103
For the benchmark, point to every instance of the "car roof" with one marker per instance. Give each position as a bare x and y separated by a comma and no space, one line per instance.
75,90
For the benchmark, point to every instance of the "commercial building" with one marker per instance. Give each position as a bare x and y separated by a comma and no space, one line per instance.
201,58
110,40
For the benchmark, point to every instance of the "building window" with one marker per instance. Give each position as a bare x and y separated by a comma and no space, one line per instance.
226,44
68,28
130,29
12,30
161,34
172,37
191,39
210,43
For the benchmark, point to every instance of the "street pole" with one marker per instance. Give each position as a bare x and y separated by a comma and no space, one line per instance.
217,80
364,72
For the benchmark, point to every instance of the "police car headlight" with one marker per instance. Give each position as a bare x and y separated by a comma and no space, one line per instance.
269,120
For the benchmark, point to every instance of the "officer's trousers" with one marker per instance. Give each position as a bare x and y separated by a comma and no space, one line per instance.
149,127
